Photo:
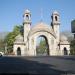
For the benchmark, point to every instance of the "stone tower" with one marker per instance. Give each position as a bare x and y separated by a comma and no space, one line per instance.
26,23
56,24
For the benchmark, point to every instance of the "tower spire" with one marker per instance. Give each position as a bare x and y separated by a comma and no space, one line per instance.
41,15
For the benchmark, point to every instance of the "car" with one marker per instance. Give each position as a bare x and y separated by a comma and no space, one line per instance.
1,53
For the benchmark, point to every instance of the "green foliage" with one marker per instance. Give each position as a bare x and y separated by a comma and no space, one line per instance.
72,51
10,38
42,48
2,45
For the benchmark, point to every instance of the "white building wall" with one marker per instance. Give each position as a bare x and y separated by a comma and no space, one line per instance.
62,49
32,47
26,31
22,47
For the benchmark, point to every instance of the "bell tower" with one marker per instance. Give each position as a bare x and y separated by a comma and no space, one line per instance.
56,24
26,23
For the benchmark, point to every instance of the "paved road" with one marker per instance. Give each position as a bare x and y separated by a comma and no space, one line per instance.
52,65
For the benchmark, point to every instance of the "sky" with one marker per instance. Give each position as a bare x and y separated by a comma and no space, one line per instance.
11,12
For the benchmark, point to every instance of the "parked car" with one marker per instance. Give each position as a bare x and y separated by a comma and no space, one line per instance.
1,53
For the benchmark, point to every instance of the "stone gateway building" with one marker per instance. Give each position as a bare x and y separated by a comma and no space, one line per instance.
26,45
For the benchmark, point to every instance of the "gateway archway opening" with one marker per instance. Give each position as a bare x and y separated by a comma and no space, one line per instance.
18,51
65,51
42,47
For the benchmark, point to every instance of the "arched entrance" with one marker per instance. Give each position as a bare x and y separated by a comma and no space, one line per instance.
65,51
18,51
42,47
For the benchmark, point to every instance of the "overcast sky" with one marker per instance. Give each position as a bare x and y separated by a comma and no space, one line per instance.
11,12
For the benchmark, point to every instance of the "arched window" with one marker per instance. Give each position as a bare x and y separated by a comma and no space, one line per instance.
65,51
18,51
27,17
56,18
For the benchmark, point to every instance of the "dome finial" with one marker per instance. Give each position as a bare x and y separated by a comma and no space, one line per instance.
55,12
27,11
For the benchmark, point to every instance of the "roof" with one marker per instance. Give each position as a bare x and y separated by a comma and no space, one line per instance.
63,39
27,11
55,13
42,27
18,39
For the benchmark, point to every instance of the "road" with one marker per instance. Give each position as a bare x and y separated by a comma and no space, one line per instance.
52,65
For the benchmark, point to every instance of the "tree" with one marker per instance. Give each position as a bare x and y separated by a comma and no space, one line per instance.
10,38
42,47
2,45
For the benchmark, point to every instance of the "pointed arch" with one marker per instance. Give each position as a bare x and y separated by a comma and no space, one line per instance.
18,51
65,51
44,43
27,17
56,18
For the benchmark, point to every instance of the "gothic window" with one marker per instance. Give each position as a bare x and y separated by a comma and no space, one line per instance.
55,18
65,51
18,51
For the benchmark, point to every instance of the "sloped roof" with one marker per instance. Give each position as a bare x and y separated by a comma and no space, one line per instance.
63,39
18,39
42,27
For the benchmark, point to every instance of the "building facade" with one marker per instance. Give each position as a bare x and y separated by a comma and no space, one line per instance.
26,45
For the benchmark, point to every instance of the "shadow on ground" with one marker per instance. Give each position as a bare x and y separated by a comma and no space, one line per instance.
21,65
70,57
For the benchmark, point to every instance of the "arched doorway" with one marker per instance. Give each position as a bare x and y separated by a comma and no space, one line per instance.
42,47
18,51
65,51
